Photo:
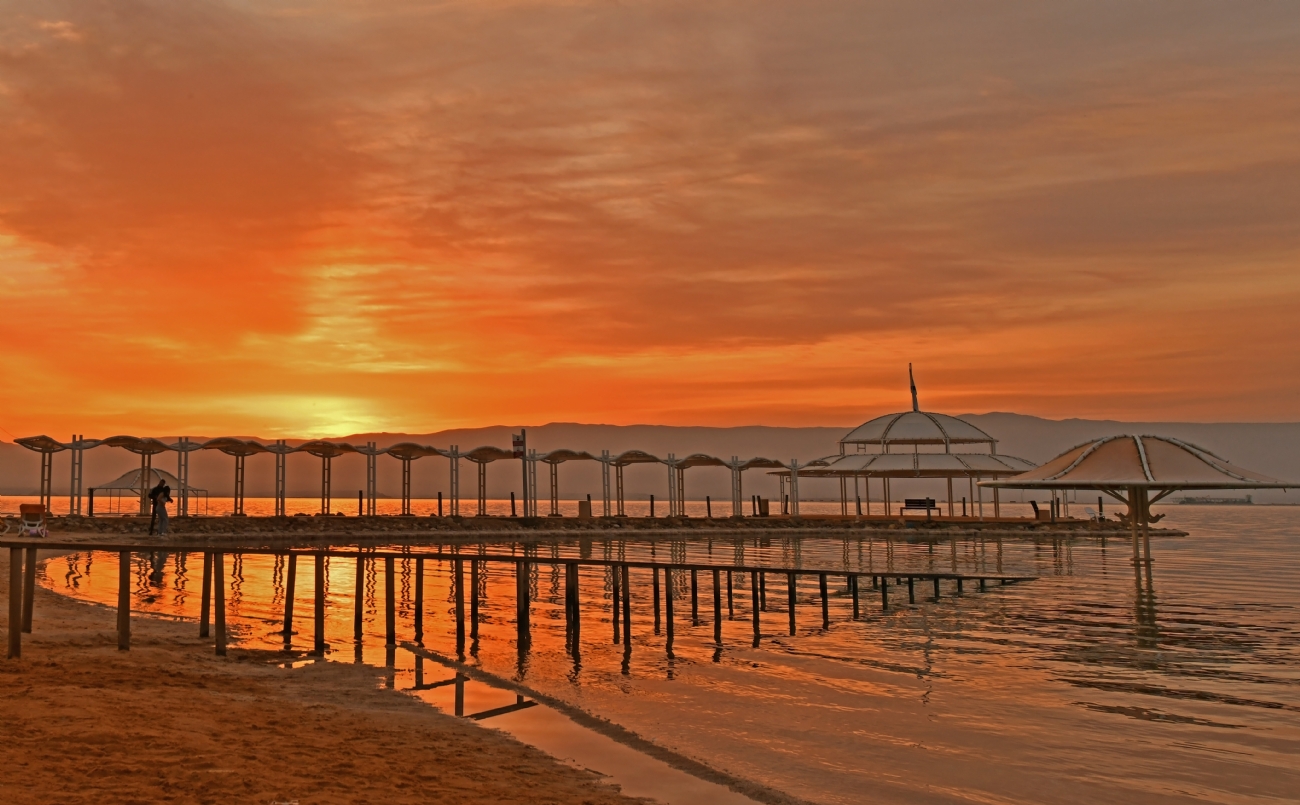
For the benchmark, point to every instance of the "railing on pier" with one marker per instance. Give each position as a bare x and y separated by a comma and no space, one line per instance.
212,617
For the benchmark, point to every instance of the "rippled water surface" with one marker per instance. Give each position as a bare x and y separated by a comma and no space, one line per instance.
1086,685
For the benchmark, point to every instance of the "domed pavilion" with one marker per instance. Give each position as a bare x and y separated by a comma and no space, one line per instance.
915,444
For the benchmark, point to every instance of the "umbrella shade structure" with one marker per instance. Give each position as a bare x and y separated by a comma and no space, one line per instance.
1129,468
1150,462
129,485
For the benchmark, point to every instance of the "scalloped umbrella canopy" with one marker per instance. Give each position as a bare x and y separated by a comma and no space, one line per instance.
1148,462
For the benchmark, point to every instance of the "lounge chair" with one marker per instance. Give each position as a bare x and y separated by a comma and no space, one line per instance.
31,520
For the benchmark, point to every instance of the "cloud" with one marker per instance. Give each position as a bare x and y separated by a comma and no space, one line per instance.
463,212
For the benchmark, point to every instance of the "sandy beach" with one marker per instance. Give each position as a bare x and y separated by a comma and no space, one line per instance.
169,721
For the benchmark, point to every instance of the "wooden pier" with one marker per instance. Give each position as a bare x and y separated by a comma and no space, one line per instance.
212,615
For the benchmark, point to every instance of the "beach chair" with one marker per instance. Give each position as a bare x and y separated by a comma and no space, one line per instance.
31,520
1091,512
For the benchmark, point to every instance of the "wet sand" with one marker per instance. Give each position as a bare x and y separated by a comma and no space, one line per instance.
169,721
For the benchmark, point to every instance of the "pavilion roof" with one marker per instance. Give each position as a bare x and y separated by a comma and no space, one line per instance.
1151,462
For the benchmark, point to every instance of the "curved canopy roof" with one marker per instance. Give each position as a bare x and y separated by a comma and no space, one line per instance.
916,465
321,448
1150,462
917,427
130,482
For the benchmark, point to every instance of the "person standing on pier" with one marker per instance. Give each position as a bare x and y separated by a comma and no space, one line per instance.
161,495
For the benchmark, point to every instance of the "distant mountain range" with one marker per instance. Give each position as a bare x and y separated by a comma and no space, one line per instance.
1269,448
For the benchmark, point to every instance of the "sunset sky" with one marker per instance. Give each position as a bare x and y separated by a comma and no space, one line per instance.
319,218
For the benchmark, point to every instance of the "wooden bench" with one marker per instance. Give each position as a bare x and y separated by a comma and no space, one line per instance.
918,504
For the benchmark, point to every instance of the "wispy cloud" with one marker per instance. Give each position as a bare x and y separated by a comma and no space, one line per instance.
463,213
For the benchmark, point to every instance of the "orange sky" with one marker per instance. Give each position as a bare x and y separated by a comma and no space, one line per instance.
320,218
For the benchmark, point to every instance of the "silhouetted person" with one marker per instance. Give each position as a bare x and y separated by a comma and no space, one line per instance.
161,495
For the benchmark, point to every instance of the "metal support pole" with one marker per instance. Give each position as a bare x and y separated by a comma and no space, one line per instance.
455,480
325,485
555,488
239,486
482,489
753,591
618,489
281,478
74,485
604,481
372,479
406,486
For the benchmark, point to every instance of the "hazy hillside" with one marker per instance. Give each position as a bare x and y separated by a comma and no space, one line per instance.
1273,449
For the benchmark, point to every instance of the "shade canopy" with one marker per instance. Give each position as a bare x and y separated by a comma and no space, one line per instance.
917,427
1143,462
917,465
130,482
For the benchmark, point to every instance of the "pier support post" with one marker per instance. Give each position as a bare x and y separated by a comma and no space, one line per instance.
884,595
473,599
123,600
390,603
614,603
29,589
459,570
16,604
359,600
936,588
826,601
668,608
290,589
419,600
790,595
319,643
731,605
627,610
717,606
753,591
853,588
219,601
205,603
695,598
655,572
911,590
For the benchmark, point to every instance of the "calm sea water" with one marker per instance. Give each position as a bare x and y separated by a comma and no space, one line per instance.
1083,686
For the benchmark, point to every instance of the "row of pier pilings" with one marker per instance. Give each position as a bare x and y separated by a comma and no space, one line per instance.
664,577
